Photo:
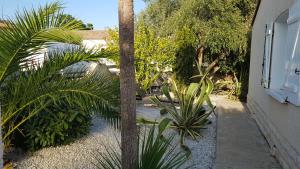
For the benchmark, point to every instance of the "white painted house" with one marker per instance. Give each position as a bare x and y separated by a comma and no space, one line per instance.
92,40
274,86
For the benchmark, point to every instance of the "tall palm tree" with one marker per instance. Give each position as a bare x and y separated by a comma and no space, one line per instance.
26,89
129,136
1,144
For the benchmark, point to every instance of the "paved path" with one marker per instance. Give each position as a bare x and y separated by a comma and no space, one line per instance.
240,144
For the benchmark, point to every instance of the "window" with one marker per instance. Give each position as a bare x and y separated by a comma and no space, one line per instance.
281,64
267,56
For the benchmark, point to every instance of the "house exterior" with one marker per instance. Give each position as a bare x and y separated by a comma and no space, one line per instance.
274,86
95,40
92,40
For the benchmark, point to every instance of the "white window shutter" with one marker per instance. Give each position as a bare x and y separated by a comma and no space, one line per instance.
292,78
267,56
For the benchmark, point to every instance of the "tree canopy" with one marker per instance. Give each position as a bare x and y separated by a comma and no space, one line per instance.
217,29
83,26
153,55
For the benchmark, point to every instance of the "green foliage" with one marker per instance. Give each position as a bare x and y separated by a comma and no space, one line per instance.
67,18
155,152
185,55
56,125
216,24
192,115
27,90
219,30
89,26
153,55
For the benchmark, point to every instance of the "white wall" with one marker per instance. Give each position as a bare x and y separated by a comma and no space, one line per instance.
80,66
279,122
94,44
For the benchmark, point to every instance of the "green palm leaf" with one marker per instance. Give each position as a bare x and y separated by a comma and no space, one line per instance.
28,33
28,89
95,93
156,152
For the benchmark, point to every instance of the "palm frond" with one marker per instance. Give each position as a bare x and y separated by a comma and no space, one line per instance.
26,93
156,152
28,33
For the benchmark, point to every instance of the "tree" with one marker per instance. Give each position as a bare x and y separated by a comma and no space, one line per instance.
89,26
1,143
28,88
153,55
69,18
129,135
219,30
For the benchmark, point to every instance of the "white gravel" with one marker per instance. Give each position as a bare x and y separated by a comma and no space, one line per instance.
203,149
79,155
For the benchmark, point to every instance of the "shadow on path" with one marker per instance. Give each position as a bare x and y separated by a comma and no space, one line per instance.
240,144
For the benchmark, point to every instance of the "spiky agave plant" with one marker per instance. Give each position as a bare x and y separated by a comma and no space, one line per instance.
26,90
192,115
156,152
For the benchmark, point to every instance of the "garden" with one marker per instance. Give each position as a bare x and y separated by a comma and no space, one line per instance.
56,116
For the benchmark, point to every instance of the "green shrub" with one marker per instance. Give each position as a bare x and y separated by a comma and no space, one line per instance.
192,116
56,126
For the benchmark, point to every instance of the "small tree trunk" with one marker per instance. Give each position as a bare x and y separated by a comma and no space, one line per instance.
129,136
215,62
200,55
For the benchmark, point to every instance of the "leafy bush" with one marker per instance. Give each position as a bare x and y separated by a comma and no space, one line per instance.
55,126
153,55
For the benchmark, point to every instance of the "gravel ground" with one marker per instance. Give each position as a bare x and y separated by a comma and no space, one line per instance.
79,155
203,150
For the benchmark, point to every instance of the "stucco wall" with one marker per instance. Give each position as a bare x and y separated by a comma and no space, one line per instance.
279,122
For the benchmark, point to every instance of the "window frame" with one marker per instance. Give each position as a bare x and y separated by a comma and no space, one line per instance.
282,94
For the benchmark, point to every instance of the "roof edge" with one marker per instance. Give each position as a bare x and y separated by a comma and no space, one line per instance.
256,11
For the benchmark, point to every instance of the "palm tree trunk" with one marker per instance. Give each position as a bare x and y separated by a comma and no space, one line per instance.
1,143
129,136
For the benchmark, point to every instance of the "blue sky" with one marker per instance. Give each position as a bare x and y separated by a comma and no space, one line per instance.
102,13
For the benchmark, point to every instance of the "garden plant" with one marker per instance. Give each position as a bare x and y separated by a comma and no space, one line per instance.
156,151
29,87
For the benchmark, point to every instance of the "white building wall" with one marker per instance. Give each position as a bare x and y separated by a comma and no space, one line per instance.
279,122
94,44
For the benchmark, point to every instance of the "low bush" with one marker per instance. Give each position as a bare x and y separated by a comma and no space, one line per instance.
56,125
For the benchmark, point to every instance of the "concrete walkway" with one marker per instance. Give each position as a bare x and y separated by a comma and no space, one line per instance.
240,144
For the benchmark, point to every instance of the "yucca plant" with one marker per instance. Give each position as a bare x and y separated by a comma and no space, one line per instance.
192,115
155,152
27,89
